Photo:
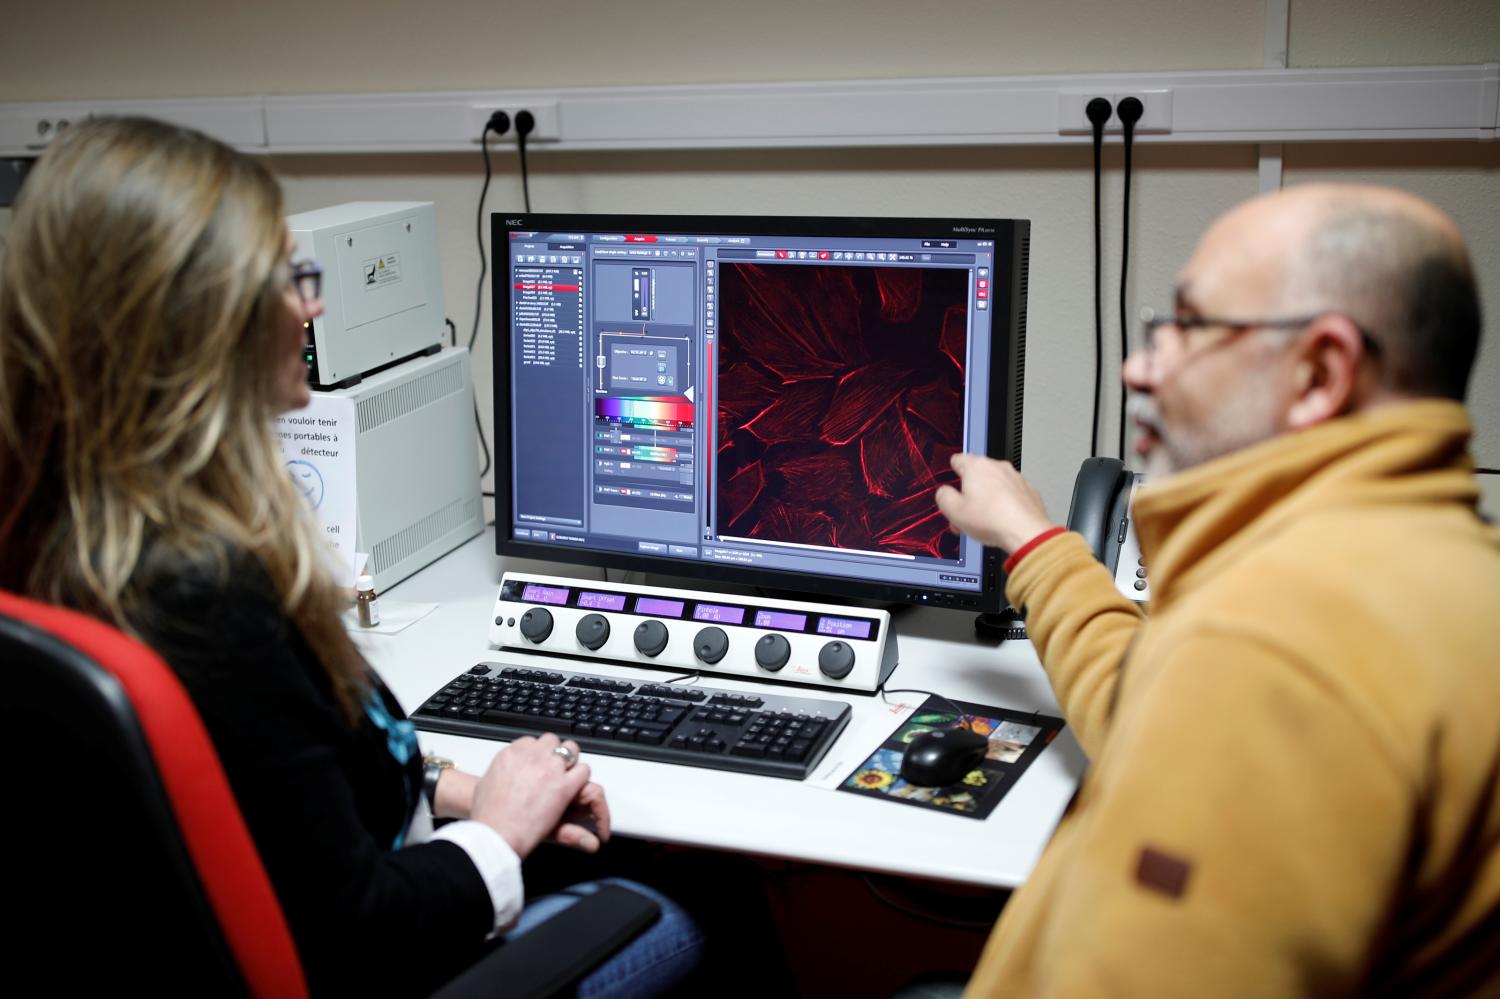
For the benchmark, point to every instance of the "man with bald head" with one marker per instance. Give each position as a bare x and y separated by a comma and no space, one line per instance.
1294,780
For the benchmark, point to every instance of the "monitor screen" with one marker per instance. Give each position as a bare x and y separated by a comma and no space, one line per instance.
760,400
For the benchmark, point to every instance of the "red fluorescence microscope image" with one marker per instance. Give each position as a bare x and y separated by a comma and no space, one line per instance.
840,402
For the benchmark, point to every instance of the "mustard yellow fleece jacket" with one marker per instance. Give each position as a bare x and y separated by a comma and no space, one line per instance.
1294,778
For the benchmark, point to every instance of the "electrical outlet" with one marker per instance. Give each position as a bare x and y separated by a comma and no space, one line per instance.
12,172
1071,119
545,113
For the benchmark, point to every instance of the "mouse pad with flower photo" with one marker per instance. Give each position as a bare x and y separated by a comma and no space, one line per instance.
1016,739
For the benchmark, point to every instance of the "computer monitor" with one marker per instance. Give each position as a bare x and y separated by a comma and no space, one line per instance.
769,401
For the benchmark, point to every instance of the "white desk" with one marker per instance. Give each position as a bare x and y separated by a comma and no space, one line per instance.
765,815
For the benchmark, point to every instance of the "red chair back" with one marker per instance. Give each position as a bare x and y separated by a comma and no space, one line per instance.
128,852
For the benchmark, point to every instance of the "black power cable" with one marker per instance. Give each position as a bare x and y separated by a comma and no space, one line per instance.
1098,111
1129,110
499,123
478,427
525,124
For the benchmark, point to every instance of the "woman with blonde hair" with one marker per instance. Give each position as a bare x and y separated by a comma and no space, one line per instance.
151,328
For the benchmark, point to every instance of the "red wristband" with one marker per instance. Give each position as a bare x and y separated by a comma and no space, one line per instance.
1024,550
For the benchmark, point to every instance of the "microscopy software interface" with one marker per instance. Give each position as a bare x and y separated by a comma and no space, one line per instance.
780,402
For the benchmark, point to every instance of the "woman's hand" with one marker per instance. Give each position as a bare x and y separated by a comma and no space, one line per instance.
585,825
527,789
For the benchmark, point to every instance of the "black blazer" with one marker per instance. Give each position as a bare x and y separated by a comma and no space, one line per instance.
325,802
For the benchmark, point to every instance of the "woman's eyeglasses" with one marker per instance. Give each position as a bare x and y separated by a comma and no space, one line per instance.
307,278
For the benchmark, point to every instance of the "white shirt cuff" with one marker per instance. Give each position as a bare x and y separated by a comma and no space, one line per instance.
497,864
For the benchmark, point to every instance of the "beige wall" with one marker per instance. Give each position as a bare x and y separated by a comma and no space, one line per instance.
98,49
178,47
1392,32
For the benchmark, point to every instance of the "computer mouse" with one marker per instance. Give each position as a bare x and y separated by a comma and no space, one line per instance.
942,756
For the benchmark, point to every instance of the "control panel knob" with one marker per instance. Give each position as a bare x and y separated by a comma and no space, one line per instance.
710,644
536,624
836,659
592,631
650,637
772,652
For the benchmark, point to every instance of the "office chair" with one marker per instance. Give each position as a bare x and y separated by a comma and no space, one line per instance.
128,860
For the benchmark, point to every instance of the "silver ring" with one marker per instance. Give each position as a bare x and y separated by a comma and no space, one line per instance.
568,756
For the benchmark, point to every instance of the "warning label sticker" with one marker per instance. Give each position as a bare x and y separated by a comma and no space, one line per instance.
382,270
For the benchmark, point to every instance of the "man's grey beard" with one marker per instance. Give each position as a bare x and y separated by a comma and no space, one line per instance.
1142,408
1244,416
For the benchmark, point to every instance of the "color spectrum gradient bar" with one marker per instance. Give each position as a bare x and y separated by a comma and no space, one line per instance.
650,409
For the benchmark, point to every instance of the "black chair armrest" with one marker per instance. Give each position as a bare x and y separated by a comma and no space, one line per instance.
553,956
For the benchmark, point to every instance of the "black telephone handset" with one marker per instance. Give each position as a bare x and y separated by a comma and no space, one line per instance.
1100,511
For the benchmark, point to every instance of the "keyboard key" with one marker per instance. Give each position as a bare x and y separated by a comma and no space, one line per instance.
538,723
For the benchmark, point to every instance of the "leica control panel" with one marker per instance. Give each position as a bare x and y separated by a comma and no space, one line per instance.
787,641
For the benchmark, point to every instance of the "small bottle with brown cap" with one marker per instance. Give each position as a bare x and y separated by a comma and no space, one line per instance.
365,602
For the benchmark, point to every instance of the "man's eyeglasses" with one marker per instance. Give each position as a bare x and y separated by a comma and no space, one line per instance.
1150,323
307,278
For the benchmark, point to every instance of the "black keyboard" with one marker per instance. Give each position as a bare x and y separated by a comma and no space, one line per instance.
760,733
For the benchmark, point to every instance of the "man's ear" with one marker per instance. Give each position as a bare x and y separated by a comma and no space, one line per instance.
1325,371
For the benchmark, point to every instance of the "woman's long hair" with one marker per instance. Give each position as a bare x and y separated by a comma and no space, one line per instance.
142,286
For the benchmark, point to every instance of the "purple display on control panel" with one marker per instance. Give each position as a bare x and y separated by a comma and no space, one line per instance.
843,627
602,601
537,594
717,612
661,608
780,619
